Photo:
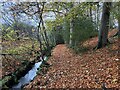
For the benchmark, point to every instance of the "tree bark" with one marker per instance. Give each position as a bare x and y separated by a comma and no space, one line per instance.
119,23
90,11
97,21
103,32
119,28
71,32
45,37
45,34
71,28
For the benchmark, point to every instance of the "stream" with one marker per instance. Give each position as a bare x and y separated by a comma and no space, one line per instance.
28,77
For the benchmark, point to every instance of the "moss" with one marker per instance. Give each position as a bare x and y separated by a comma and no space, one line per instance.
5,80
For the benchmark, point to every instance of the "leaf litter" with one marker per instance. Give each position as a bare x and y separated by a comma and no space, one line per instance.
91,69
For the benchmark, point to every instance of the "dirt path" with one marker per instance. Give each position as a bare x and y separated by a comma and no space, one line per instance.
89,70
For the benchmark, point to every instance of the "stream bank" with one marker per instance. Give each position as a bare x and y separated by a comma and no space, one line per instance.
11,79
29,76
14,78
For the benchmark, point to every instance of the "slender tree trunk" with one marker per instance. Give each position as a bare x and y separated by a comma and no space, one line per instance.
90,11
71,28
87,12
119,23
103,32
97,21
71,32
38,36
119,28
45,37
38,31
45,34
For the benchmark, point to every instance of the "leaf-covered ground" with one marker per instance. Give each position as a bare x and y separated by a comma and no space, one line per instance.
90,69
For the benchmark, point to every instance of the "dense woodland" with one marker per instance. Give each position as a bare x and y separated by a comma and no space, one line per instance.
80,40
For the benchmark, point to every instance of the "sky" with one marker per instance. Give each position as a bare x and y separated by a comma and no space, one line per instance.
24,18
1,16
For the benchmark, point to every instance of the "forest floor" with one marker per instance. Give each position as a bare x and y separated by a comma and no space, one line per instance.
90,69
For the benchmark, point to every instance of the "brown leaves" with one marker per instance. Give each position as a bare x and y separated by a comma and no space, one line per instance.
88,70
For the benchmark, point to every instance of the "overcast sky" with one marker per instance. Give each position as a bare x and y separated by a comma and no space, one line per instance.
48,16
24,18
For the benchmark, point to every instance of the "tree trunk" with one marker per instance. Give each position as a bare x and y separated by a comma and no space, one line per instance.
45,37
119,23
97,16
45,34
40,42
71,32
119,28
38,36
103,32
71,28
90,11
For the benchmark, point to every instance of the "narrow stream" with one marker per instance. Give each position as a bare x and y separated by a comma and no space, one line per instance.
28,77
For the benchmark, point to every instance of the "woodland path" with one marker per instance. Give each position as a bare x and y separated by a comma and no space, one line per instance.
86,70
